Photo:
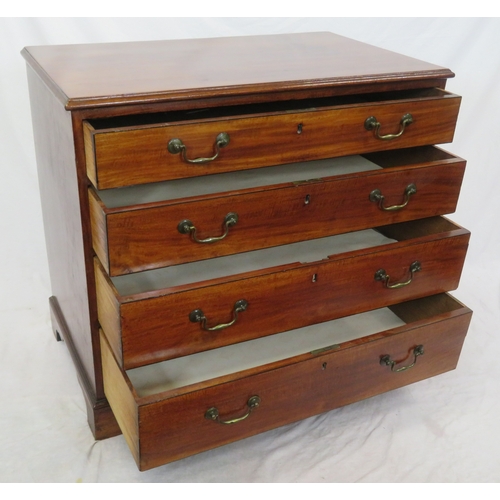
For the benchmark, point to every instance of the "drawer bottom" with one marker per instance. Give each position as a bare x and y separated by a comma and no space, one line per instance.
187,411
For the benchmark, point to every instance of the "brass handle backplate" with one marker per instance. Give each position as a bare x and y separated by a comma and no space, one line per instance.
387,361
197,316
187,227
213,413
176,146
371,123
381,275
377,197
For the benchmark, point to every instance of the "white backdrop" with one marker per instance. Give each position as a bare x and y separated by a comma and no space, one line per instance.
440,430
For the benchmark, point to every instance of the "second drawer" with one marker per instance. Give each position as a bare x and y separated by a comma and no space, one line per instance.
147,227
176,311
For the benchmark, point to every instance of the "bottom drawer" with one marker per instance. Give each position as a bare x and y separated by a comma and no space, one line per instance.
180,407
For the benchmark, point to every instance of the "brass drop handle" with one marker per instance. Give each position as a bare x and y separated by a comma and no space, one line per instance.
377,197
197,316
187,227
387,361
213,413
176,146
371,123
381,275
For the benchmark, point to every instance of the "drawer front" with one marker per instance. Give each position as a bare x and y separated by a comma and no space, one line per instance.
167,427
138,238
165,324
127,156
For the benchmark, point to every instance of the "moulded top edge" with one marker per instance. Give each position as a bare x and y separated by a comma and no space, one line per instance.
96,75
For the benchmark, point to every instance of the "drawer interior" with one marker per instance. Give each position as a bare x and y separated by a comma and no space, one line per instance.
313,340
195,368
269,176
263,108
302,252
234,181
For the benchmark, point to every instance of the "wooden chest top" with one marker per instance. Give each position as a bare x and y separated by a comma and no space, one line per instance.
143,72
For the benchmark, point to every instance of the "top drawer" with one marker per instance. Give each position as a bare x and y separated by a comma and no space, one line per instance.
139,149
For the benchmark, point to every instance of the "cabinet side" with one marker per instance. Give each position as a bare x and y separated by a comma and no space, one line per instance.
62,217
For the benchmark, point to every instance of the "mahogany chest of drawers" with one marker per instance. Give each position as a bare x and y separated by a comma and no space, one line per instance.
245,232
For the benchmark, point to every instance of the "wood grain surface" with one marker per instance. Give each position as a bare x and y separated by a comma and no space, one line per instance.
103,115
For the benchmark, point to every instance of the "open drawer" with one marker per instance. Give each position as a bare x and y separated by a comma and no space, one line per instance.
173,222
138,149
185,406
179,310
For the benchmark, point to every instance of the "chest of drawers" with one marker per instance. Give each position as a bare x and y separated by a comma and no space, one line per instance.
245,232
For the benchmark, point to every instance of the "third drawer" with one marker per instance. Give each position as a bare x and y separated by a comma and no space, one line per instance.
176,311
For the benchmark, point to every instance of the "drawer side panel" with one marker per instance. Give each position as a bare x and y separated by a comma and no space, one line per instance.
99,227
108,309
121,399
89,147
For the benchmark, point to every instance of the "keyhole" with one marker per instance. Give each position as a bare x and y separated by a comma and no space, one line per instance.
299,128
307,199
323,366
314,278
